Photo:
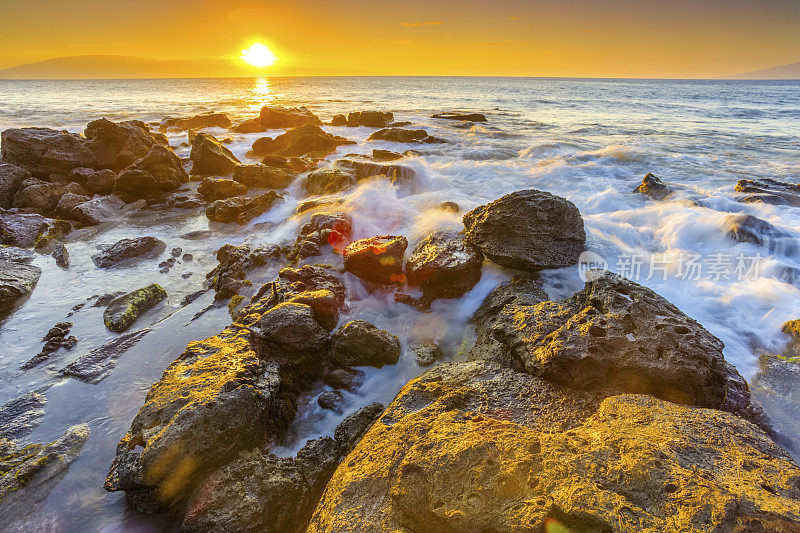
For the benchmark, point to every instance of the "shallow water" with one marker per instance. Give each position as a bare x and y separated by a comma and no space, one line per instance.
591,141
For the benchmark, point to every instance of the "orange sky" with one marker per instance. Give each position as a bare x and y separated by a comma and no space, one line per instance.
612,38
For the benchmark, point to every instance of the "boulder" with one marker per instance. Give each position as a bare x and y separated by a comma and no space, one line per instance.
68,202
397,174
289,330
385,155
400,135
21,229
11,178
240,209
203,120
359,343
653,187
328,181
753,230
124,310
95,181
118,144
16,255
425,353
42,151
42,197
158,171
215,189
210,157
16,280
334,229
768,191
339,120
99,209
377,259
471,117
263,176
444,265
252,125
332,400
528,230
125,250
370,119
274,117
309,139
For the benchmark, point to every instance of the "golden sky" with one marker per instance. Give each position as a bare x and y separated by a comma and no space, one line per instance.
612,38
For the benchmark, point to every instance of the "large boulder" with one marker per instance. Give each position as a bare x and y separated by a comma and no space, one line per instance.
43,151
359,343
252,125
400,135
99,209
125,250
210,157
118,144
529,230
41,197
16,280
240,209
124,310
444,265
768,191
11,178
203,120
653,187
274,117
377,259
158,171
215,189
474,447
370,119
263,176
309,139
290,330
21,229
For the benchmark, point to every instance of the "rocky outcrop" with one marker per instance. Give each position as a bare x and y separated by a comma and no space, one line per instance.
42,151
400,135
97,363
126,250
370,119
263,176
158,171
124,310
240,209
470,117
16,280
653,187
55,339
377,259
21,229
444,265
273,117
11,178
753,230
304,140
529,230
209,156
339,120
359,343
235,262
118,144
768,191
203,120
216,189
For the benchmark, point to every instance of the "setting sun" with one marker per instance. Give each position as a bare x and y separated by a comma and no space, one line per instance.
258,55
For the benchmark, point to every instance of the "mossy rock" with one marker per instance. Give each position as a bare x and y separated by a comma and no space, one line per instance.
123,311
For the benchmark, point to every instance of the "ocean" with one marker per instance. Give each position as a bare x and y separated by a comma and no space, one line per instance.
591,141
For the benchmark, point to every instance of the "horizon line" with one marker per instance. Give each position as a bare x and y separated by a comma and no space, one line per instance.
718,78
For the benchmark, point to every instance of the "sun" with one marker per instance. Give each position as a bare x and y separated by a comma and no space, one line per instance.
258,55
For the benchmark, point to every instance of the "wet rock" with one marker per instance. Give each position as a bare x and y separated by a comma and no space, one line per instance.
187,257
68,202
377,259
753,230
444,265
96,364
240,209
385,155
425,353
328,181
203,120
210,157
176,252
158,171
332,401
290,330
43,198
344,378
11,178
127,249
274,117
16,255
359,343
229,276
96,181
303,140
769,191
16,280
21,415
653,187
42,151
370,119
56,231
124,310
792,329
98,210
263,176
400,135
252,125
471,117
61,255
334,229
118,144
339,120
57,337
217,188
556,459
449,206
776,386
529,230
361,170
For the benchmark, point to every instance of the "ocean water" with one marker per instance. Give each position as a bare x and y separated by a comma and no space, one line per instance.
590,141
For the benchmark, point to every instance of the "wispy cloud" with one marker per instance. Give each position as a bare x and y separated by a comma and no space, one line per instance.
418,24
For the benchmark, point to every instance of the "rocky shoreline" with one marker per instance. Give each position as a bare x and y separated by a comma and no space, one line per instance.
607,410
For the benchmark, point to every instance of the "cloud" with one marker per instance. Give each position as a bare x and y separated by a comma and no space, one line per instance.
418,24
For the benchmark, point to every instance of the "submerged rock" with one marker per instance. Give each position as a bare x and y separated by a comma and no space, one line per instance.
240,209
57,337
11,178
769,191
377,259
370,119
124,310
158,171
96,364
309,139
61,255
332,401
209,156
43,151
21,415
444,265
203,120
273,117
753,230
653,187
16,255
400,135
529,230
359,343
218,188
263,176
471,117
118,144
16,280
21,229
126,249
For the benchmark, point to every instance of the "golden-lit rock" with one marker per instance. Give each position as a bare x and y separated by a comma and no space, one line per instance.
377,259
210,157
308,139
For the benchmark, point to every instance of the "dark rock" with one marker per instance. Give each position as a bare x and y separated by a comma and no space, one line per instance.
124,310
425,353
385,155
203,120
359,343
370,119
240,209
11,178
344,378
16,255
229,276
57,338
96,181
302,140
98,210
339,120
753,230
653,187
332,401
42,151
96,364
334,229
400,135
56,230
472,117
126,249
449,206
16,280
377,259
769,191
361,170
158,171
68,202
210,157
399,124
252,125
263,176
529,230
328,181
290,330
21,415
42,197
274,117
217,188
176,252
187,257
117,145
444,265
61,255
